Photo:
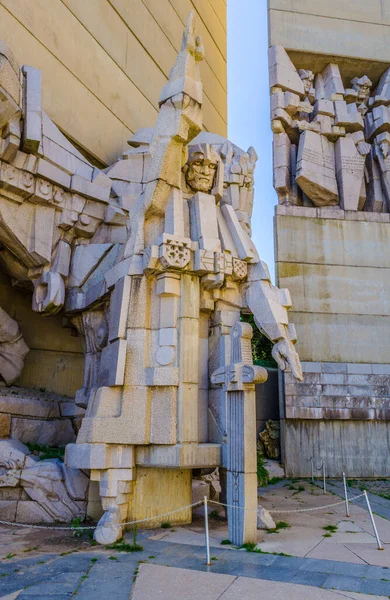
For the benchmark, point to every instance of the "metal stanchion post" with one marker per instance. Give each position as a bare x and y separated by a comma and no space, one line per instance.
324,476
346,496
206,532
380,547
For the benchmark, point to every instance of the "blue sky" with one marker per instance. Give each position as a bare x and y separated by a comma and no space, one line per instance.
248,109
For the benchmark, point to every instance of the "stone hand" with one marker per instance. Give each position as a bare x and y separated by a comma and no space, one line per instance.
285,355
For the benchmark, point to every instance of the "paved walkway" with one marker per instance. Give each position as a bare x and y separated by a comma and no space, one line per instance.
182,584
99,574
379,505
54,565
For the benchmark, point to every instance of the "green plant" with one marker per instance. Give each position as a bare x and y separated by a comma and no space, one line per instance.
330,528
151,556
112,558
226,542
10,555
47,451
279,525
76,526
122,546
165,525
214,558
94,559
262,471
249,546
274,480
261,345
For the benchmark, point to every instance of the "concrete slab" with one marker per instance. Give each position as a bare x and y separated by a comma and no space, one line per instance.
176,584
165,583
371,555
297,541
334,551
12,596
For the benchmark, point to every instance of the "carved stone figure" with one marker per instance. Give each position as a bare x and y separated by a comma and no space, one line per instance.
13,349
201,167
330,143
154,264
58,492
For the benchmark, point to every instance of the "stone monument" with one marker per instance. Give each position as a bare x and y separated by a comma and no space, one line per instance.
331,175
151,261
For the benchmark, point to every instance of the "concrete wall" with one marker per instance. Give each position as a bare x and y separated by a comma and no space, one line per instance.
314,31
338,273
267,401
336,265
55,362
104,62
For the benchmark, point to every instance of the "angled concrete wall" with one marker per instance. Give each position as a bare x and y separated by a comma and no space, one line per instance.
105,62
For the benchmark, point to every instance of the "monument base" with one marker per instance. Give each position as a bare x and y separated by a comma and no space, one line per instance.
158,491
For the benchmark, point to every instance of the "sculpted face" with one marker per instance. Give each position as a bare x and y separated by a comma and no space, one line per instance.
201,169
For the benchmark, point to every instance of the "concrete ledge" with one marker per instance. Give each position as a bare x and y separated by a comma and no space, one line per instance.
186,456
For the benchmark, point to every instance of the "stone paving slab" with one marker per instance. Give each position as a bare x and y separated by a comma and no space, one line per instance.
176,584
100,574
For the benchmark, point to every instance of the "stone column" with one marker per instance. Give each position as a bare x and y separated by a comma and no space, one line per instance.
238,380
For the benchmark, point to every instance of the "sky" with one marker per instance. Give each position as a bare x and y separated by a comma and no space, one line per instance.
248,109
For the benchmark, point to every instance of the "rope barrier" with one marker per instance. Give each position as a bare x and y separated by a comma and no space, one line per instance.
171,512
82,527
277,511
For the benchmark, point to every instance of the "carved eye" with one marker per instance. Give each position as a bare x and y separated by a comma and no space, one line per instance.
213,166
198,163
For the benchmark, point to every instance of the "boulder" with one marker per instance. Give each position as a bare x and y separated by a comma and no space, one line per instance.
264,519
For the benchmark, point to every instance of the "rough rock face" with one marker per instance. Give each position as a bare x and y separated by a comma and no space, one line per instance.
36,491
264,519
269,440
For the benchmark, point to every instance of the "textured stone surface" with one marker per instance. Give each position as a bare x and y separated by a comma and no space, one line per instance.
139,256
44,490
264,519
5,426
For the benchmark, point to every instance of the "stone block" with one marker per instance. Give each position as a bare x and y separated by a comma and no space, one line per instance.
70,409
31,513
28,407
362,368
8,510
119,307
162,376
381,369
200,489
282,72
311,367
164,417
264,519
58,432
5,426
187,418
203,413
113,362
189,350
323,241
333,378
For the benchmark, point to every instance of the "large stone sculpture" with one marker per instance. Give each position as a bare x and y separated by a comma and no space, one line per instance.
45,490
152,261
330,143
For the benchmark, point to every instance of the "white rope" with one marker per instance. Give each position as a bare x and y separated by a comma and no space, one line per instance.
82,527
171,512
299,510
